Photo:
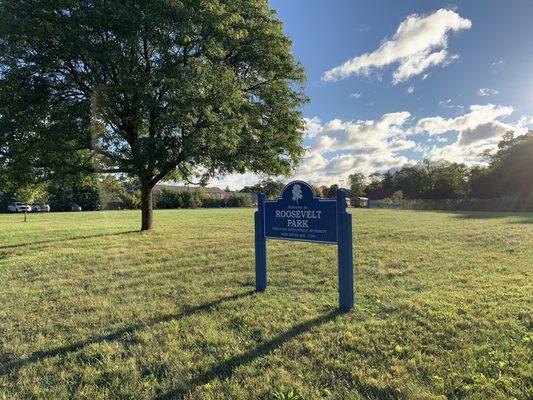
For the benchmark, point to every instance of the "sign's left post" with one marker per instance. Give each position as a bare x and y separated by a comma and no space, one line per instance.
260,246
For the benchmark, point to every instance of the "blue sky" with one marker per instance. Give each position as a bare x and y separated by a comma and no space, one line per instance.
392,82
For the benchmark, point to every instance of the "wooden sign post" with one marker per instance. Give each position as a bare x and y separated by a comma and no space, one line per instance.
301,216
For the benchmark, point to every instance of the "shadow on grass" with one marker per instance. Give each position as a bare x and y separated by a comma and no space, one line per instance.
40,355
226,368
12,246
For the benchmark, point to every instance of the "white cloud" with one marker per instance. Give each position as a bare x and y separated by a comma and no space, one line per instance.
419,43
324,144
355,95
416,65
410,89
341,164
482,132
363,134
235,181
446,103
312,126
399,145
484,92
335,125
479,114
341,147
478,130
425,76
337,148
525,121
449,104
312,163
337,135
454,153
497,66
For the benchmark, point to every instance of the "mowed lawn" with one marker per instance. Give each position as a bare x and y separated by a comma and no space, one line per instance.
90,308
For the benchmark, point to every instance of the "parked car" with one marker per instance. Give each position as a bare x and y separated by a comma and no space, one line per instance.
92,207
72,207
40,207
18,207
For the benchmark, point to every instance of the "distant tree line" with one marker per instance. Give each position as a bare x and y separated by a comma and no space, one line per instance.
272,188
508,173
83,188
425,180
168,199
112,192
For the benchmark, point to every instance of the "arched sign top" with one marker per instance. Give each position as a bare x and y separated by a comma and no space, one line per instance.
296,190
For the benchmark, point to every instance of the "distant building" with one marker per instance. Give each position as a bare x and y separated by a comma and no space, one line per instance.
361,202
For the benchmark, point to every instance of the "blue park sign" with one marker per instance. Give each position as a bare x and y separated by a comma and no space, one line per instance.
300,215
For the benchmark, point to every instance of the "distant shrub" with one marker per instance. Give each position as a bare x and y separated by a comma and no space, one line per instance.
191,199
397,195
387,202
239,200
210,202
168,199
132,201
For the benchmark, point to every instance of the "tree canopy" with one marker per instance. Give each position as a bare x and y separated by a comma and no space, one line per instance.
271,188
150,89
508,173
357,184
510,170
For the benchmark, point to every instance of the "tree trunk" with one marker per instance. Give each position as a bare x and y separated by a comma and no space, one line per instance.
146,206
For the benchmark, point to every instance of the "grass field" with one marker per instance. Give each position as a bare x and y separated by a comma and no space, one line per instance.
92,309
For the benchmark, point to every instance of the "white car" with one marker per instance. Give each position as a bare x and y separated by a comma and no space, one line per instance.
18,207
40,208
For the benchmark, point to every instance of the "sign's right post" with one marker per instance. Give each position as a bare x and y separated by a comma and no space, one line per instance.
345,253
260,246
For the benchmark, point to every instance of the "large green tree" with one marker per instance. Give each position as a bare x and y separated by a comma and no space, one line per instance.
357,184
270,187
151,89
510,170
